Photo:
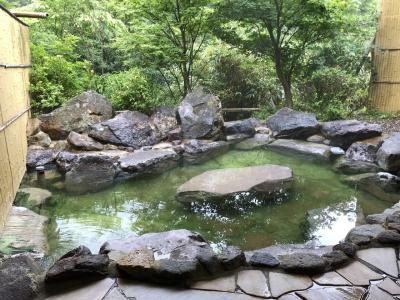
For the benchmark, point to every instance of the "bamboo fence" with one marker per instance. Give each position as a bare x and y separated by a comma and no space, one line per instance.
385,85
14,106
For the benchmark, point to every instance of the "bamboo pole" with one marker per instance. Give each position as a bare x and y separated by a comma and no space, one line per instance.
27,14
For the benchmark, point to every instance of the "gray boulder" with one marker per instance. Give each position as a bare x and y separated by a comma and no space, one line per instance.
78,263
364,234
291,124
382,185
304,263
351,167
220,184
21,278
149,162
164,120
264,260
76,115
346,132
231,258
389,237
83,142
362,151
91,173
388,155
246,126
168,257
129,128
38,156
198,151
40,139
303,149
201,116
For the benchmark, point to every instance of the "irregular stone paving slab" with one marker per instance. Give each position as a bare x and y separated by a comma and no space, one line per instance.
140,291
382,258
253,282
389,286
358,274
334,293
376,293
281,283
289,297
222,284
330,278
93,291
115,294
25,230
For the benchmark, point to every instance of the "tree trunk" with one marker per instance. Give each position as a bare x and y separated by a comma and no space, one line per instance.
287,89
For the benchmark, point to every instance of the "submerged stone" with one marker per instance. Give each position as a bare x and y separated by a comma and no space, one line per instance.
291,124
199,151
258,141
351,167
223,183
32,197
382,185
303,149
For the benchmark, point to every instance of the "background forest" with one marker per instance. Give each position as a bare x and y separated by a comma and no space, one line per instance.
309,54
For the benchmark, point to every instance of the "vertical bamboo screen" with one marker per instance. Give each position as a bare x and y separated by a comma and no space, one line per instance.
385,89
14,102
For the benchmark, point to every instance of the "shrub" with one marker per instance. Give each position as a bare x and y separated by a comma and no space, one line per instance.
129,90
56,75
333,94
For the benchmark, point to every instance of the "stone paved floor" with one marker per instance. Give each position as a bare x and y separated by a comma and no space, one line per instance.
373,276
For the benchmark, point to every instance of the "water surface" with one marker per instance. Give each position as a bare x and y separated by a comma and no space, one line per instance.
319,207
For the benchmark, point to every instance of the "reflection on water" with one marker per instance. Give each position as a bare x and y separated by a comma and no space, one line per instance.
319,206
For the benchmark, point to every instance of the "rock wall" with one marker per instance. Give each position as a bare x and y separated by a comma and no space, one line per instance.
14,105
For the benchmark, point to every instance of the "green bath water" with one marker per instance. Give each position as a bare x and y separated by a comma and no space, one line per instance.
148,204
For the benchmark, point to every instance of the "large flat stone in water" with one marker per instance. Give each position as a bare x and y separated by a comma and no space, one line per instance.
383,259
24,230
226,182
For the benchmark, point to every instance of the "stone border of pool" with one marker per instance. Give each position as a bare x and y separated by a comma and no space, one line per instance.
109,151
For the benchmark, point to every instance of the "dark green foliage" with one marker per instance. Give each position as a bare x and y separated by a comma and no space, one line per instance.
311,54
